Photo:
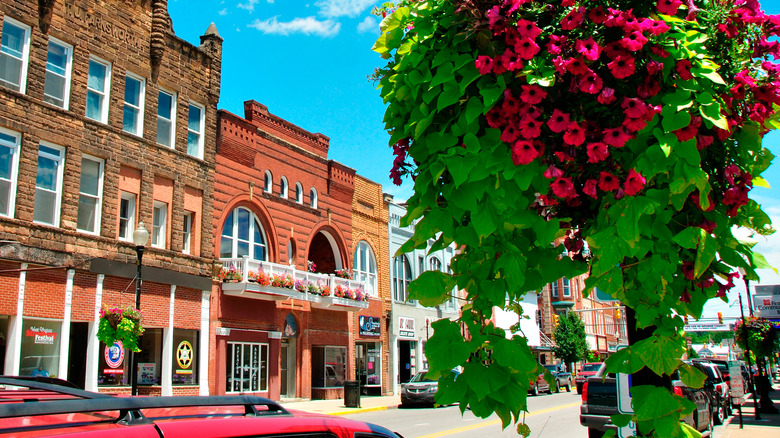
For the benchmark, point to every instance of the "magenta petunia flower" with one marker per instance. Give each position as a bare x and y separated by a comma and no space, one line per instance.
634,184
633,107
703,141
532,94
559,121
530,128
622,66
590,83
654,67
656,27
607,96
496,20
552,172
526,48
590,188
668,7
608,182
573,19
556,43
689,132
685,297
597,15
523,152
511,60
528,29
563,188
574,134
615,18
634,41
659,52
577,66
588,48
634,124
494,118
616,137
684,69
688,271
597,152
510,133
648,88
484,64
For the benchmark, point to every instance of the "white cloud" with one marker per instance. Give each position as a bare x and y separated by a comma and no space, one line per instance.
341,8
249,5
367,25
223,12
307,26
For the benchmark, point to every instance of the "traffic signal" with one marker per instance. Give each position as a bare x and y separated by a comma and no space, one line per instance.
555,319
686,319
617,313
720,318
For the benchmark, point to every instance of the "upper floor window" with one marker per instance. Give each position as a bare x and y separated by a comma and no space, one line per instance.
195,126
59,59
90,194
242,235
435,264
554,288
132,117
268,183
402,276
298,193
98,88
126,215
9,168
14,54
159,224
313,197
166,118
364,267
187,232
283,187
566,287
48,184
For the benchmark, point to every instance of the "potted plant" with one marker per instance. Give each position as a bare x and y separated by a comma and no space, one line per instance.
122,325
230,275
343,273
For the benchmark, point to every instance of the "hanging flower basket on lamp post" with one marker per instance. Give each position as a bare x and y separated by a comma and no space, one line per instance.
122,325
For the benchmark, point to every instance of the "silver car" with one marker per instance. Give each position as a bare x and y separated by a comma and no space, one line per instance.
419,390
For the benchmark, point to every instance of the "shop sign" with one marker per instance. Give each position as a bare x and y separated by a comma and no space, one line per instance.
146,373
767,306
184,357
405,327
114,355
42,335
370,325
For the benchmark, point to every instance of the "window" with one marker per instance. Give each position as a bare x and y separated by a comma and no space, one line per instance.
132,117
313,197
166,118
566,287
554,288
90,195
159,220
364,267
114,368
421,264
242,235
9,167
329,365
98,90
298,193
195,131
185,357
283,188
402,275
435,264
40,348
247,367
150,357
14,53
268,184
48,184
539,321
126,216
187,232
58,66
291,253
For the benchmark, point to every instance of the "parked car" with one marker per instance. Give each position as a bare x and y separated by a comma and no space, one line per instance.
562,378
717,390
420,390
65,411
588,369
540,385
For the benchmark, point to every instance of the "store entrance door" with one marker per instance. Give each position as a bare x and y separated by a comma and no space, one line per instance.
288,368
368,359
77,353
406,360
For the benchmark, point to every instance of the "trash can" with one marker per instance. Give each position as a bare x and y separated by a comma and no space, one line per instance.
352,393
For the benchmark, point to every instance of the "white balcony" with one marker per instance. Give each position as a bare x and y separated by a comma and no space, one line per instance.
274,282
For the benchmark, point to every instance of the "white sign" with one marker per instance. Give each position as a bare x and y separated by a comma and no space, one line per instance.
736,384
705,327
405,327
223,331
625,406
767,306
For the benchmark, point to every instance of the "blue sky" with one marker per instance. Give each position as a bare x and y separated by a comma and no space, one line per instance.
309,62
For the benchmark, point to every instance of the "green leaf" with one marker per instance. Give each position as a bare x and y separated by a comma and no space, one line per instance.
474,109
676,121
661,355
705,253
691,376
431,288
447,348
713,113
621,420
450,95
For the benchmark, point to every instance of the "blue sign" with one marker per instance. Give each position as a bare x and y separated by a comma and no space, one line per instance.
370,325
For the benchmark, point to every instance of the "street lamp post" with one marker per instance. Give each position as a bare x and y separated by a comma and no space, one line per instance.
140,238
747,346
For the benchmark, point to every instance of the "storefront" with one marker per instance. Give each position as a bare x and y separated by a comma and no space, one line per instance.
407,349
368,354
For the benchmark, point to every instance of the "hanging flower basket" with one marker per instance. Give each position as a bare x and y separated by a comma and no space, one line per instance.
120,325
343,273
230,275
759,333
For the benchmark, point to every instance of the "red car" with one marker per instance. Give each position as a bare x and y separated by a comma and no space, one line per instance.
589,369
72,412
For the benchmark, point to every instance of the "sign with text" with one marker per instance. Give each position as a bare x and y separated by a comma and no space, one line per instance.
736,384
405,327
625,406
370,325
767,306
706,327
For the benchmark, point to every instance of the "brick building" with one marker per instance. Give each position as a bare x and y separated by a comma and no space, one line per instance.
107,120
371,263
283,214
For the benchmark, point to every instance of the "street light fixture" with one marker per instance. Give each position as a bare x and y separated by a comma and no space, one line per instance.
752,382
140,238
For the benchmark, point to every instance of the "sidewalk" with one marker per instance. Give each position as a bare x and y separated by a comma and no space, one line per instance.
368,403
768,426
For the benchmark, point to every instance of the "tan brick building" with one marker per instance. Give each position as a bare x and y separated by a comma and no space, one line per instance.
107,120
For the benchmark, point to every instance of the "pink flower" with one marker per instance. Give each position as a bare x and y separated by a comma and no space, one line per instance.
634,184
634,41
590,83
523,152
563,188
526,48
590,188
685,297
654,67
688,271
668,7
689,132
532,94
608,182
622,66
559,121
552,172
657,27
588,48
607,96
528,29
684,69
633,107
574,19
555,45
659,52
597,152
577,66
597,15
530,128
510,133
574,135
634,125
484,64
511,60
616,137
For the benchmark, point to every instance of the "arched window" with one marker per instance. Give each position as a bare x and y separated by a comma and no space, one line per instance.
291,253
268,184
313,197
283,188
364,267
435,264
402,275
243,235
298,193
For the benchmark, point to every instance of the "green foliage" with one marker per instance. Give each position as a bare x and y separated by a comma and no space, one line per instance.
571,344
123,325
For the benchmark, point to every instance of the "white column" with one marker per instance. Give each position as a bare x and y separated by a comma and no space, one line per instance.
13,352
166,368
393,372
203,348
93,345
62,373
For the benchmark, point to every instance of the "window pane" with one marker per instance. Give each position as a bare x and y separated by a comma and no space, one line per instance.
10,71
5,195
193,144
97,76
44,206
164,132
90,177
226,248
87,211
164,105
132,91
6,156
47,173
194,119
130,119
185,364
243,224
242,249
227,230
94,104
54,90
57,58
259,253
13,40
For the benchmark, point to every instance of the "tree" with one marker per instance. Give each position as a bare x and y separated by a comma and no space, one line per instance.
571,344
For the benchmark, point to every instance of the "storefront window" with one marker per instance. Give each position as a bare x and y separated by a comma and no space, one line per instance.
369,360
247,367
329,366
150,357
185,358
40,348
114,365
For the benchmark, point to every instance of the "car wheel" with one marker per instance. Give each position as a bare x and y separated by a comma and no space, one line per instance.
568,387
557,388
595,433
708,431
717,417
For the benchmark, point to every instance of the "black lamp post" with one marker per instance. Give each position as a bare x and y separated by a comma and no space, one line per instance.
140,237
747,345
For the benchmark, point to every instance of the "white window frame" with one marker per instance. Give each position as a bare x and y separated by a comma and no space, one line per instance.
313,197
201,133
159,224
566,287
283,187
25,55
105,94
254,222
364,267
187,223
139,109
268,182
172,119
66,77
298,193
400,280
554,289
262,386
131,199
14,170
60,160
434,264
98,197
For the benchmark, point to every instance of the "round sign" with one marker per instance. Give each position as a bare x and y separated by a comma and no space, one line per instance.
184,354
114,354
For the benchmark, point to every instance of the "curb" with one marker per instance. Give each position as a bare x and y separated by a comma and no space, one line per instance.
362,410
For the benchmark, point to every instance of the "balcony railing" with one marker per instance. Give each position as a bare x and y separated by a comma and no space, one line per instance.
275,282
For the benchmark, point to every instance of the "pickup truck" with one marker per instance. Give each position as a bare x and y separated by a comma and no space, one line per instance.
599,403
562,379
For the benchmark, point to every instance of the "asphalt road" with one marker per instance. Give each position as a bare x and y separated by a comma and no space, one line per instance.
551,415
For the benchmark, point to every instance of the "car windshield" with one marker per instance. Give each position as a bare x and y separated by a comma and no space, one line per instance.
591,367
420,377
552,368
